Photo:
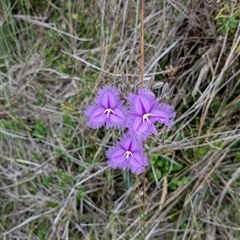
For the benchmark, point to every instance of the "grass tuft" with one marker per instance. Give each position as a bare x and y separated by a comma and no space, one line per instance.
55,183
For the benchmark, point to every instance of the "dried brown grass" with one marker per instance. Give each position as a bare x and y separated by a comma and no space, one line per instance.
54,180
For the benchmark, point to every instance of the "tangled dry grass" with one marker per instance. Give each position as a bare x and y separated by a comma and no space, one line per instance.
54,182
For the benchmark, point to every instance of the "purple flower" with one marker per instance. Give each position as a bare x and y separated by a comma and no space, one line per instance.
166,114
128,153
108,109
145,111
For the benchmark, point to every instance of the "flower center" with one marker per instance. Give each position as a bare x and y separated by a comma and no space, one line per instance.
127,154
108,112
145,117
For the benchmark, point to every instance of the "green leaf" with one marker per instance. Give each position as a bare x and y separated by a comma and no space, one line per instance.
80,194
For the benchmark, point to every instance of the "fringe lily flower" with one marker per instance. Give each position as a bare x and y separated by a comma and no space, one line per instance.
138,115
108,109
127,154
145,111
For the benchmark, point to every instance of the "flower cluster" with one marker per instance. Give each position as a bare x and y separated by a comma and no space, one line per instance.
138,115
